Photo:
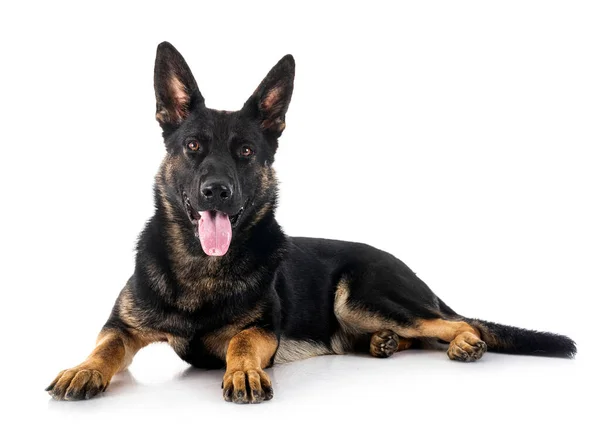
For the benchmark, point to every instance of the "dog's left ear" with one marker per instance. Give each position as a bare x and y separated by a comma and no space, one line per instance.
271,99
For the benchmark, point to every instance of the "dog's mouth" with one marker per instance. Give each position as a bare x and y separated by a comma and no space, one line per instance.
213,227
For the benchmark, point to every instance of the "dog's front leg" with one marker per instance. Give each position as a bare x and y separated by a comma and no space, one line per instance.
249,352
114,351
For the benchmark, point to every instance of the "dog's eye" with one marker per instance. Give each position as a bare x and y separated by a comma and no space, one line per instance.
246,151
193,145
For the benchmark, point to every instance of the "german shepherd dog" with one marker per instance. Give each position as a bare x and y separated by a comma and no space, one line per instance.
216,277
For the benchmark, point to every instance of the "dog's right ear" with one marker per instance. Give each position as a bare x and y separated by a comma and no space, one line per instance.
175,87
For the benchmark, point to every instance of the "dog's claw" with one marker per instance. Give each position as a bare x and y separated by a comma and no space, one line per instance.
466,348
243,387
77,384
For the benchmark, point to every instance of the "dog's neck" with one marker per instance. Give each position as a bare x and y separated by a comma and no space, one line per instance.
188,278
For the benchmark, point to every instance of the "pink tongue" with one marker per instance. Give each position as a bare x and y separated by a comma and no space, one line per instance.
214,230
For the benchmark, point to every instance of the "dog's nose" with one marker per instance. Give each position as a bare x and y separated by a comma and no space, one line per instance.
216,191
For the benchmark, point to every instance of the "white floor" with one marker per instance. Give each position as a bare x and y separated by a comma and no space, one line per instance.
420,391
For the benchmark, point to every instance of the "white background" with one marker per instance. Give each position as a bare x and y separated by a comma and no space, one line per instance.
462,137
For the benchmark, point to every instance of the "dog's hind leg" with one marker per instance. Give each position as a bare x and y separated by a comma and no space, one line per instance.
384,343
391,325
465,340
358,324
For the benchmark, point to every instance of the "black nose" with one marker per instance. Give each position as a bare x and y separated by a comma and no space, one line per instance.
216,191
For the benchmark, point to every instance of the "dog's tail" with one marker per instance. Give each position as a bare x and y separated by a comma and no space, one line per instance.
514,340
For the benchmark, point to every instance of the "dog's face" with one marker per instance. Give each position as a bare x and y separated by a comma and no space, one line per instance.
220,162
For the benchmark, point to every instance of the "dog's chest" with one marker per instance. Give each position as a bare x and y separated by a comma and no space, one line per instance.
208,349
193,292
211,326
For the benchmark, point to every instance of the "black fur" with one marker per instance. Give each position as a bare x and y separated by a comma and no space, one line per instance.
515,340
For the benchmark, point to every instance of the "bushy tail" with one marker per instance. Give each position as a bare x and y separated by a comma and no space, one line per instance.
514,340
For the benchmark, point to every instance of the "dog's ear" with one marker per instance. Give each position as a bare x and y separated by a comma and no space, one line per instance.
271,99
175,87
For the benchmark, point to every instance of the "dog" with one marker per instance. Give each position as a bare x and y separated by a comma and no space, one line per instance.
217,279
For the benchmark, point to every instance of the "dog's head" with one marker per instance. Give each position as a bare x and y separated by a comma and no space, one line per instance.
218,165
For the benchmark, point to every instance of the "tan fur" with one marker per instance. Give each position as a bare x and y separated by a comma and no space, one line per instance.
197,288
443,329
179,104
217,342
268,179
355,320
291,350
181,99
158,280
249,352
271,99
133,317
268,105
261,213
162,116
251,348
178,344
404,344
341,343
113,353
126,307
277,124
186,267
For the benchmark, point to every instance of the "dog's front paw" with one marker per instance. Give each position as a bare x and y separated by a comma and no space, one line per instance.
251,386
77,384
